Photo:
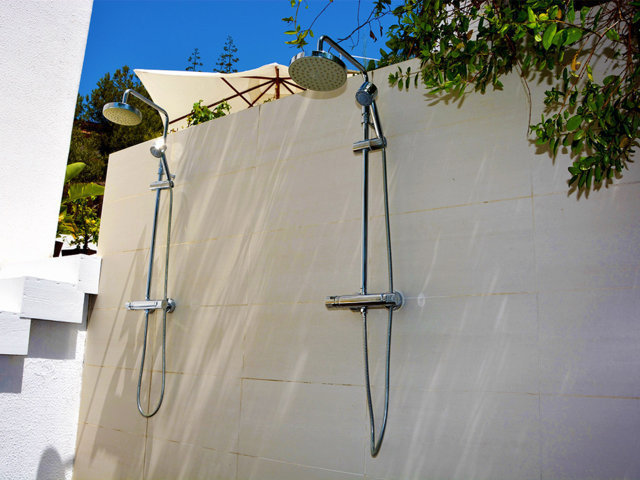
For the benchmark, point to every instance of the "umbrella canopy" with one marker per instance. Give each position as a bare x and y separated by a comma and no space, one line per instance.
177,91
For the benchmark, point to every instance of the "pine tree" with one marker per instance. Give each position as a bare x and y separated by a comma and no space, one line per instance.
226,61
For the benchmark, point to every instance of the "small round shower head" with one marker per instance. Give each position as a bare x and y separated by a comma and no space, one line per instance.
366,94
319,71
122,113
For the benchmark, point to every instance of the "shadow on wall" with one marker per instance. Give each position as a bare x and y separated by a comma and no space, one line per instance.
50,340
51,466
54,340
11,370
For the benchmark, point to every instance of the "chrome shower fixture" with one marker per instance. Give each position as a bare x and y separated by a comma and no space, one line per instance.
366,94
124,114
324,71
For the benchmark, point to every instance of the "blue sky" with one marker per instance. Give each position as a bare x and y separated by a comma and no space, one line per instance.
161,34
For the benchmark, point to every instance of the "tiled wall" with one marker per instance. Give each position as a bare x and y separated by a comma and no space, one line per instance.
515,357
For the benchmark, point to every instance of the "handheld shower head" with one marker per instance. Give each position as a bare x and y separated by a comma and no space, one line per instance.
122,113
366,94
319,71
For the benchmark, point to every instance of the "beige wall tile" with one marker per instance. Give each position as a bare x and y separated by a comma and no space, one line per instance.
203,209
310,122
126,224
211,273
114,338
486,248
202,410
588,342
171,460
218,147
455,169
204,340
123,278
132,169
303,342
250,468
588,243
459,435
316,189
105,453
108,399
307,424
486,343
305,264
589,438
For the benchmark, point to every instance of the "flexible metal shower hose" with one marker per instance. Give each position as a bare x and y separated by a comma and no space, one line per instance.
164,310
375,445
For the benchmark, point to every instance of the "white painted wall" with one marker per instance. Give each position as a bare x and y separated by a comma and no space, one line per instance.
41,52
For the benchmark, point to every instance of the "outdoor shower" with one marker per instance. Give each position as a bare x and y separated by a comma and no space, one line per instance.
124,114
324,72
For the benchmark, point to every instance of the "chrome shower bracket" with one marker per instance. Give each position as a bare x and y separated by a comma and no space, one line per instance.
392,300
370,144
168,304
162,184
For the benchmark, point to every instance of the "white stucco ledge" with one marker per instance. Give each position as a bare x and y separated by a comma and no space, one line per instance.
54,289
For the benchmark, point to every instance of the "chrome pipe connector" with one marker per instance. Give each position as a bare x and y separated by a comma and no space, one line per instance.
168,304
393,300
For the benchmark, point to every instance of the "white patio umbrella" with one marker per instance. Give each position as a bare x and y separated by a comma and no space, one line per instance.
176,91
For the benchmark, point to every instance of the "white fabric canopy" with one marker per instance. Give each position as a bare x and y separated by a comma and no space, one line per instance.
176,91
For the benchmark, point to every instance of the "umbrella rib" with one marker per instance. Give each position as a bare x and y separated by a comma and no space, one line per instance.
234,89
263,92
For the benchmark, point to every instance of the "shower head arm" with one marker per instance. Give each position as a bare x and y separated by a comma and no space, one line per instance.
344,53
144,99
161,111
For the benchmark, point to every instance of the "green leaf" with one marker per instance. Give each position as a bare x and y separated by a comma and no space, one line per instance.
583,179
573,35
531,15
571,13
79,191
547,38
584,11
612,34
73,170
574,122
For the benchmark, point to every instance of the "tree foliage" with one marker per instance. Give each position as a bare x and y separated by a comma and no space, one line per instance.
194,61
227,59
79,210
471,44
201,113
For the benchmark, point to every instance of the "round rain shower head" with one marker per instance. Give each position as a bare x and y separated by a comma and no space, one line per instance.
122,113
319,71
366,94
